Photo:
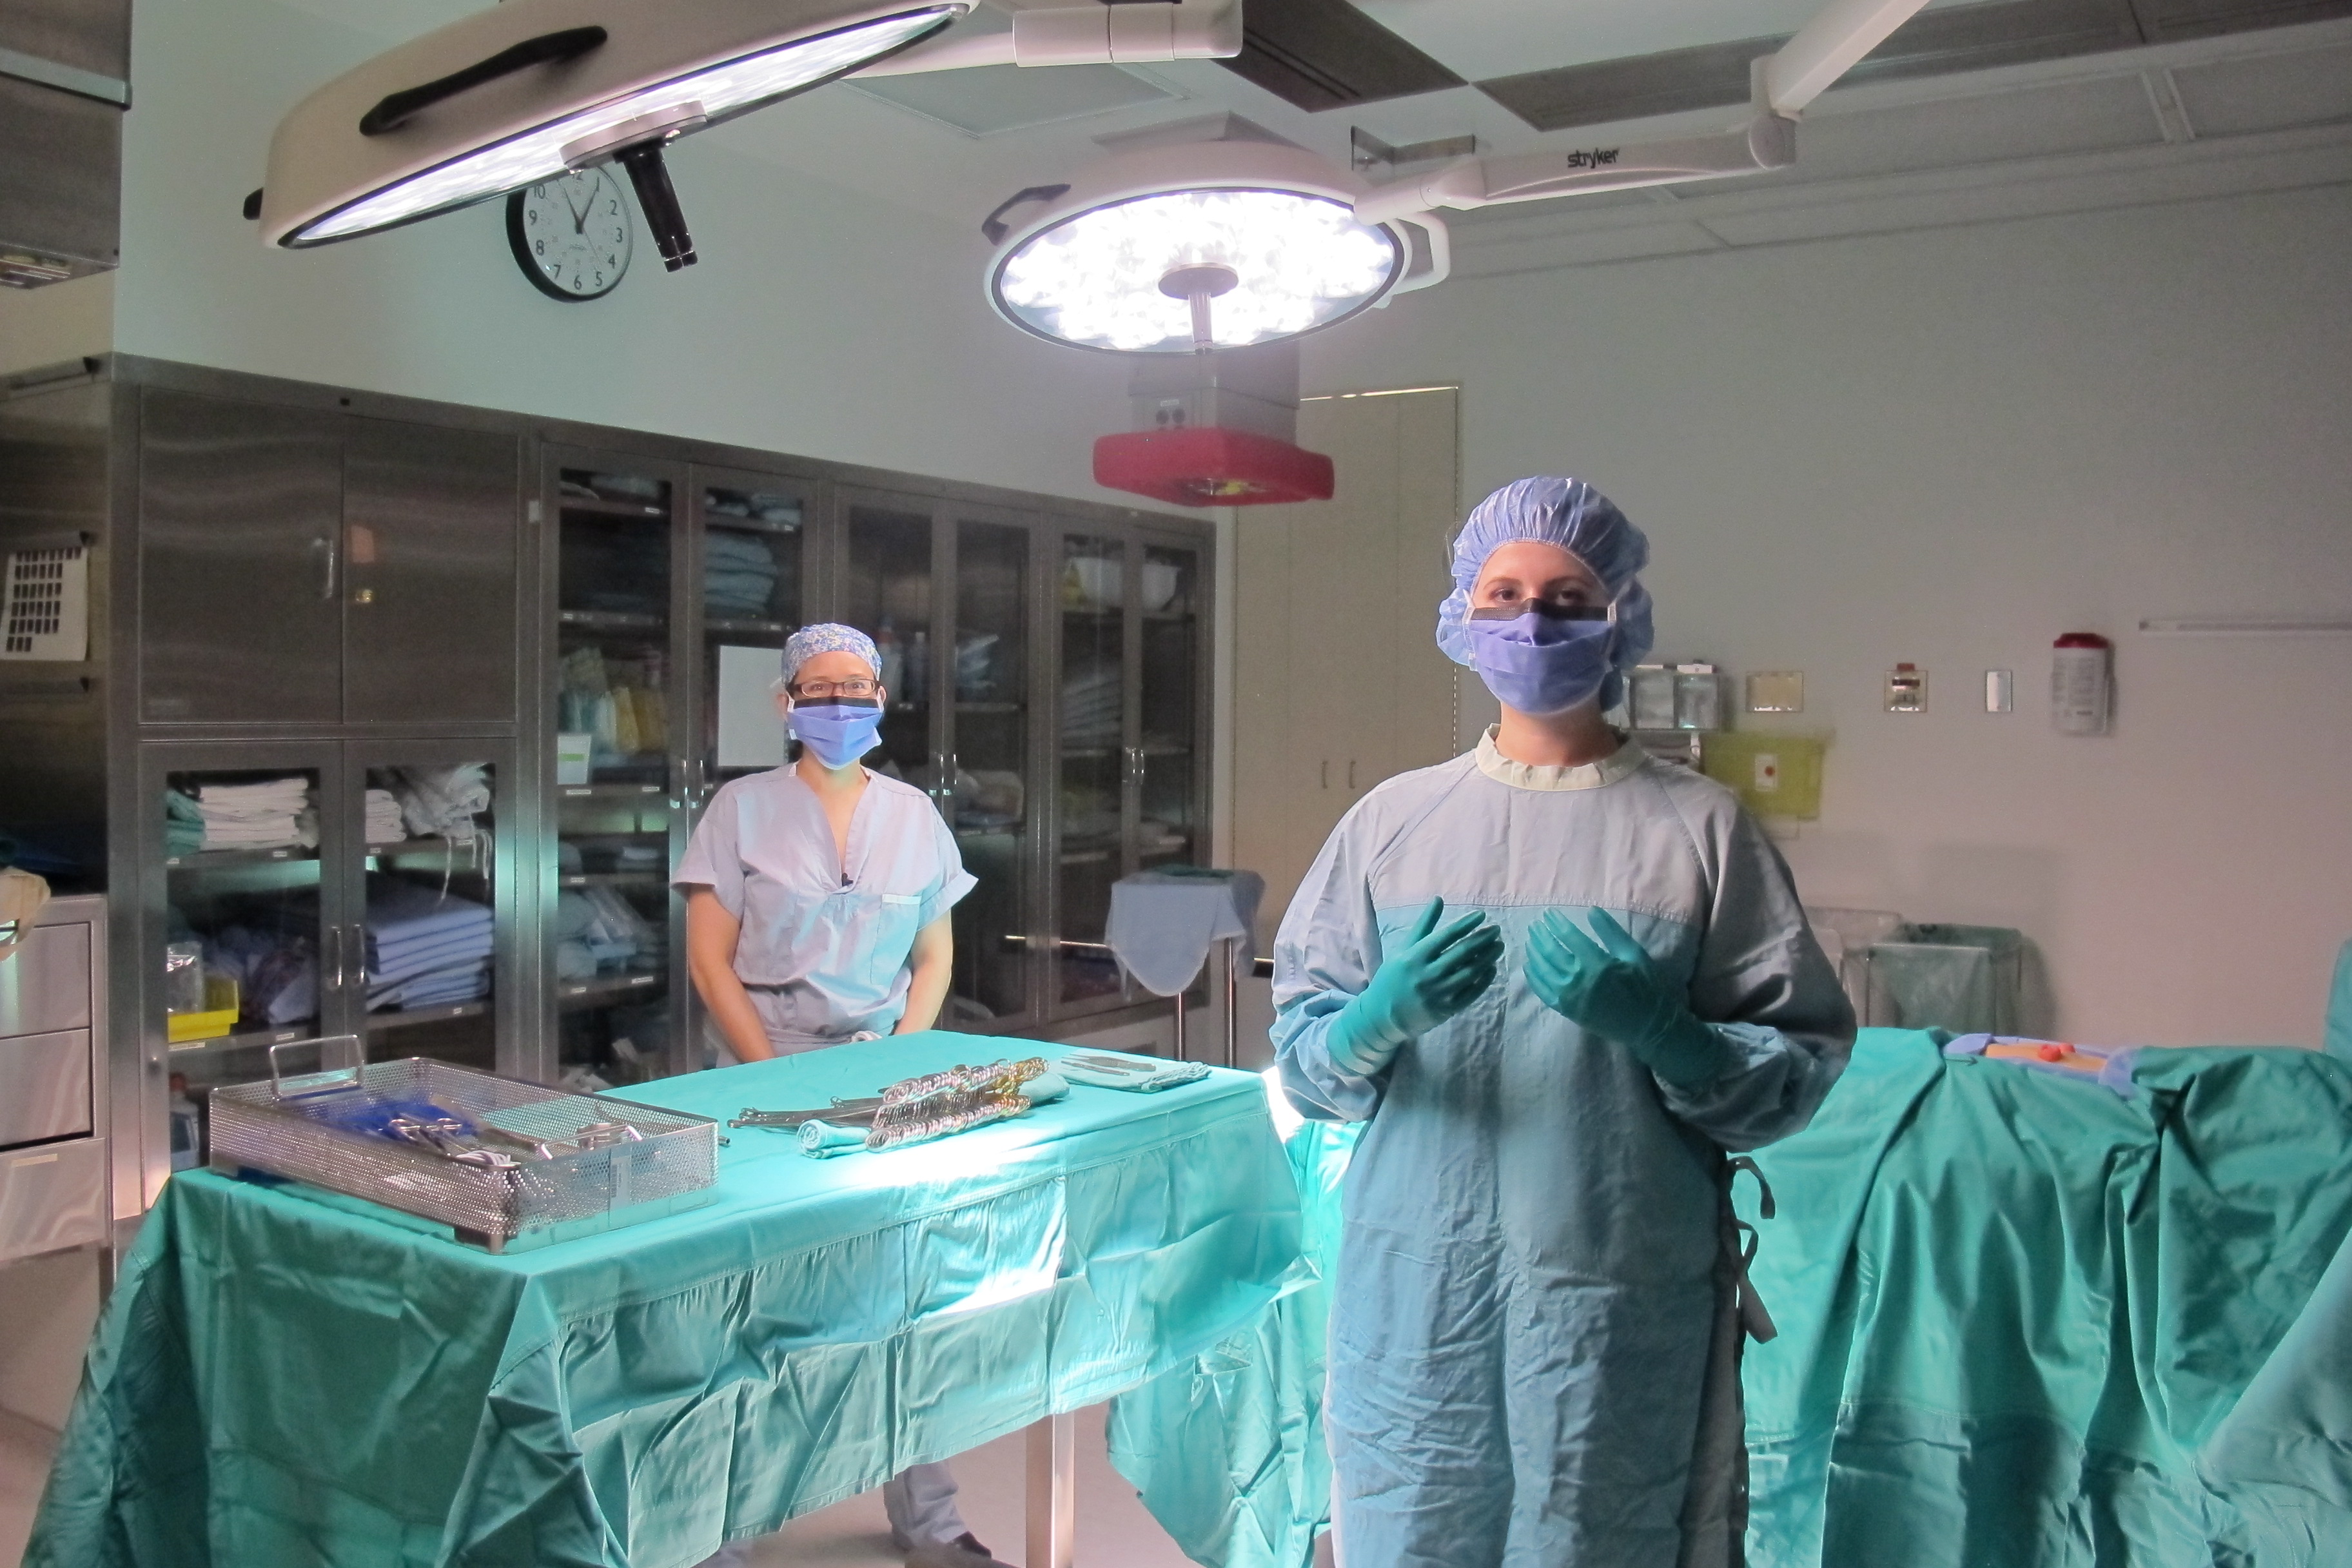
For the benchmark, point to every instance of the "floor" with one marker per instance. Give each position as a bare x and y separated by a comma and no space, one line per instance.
1113,1528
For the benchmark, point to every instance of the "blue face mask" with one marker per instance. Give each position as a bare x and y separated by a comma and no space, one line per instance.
837,732
1542,658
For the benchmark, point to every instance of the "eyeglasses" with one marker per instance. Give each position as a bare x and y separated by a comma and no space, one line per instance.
818,690
1545,609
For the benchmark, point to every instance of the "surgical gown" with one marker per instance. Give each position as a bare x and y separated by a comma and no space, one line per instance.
1529,1281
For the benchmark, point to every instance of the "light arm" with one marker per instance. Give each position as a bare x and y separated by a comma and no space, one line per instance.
1132,34
1784,83
933,959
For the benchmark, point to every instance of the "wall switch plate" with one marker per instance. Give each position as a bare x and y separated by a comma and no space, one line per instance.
2001,691
1906,689
1776,691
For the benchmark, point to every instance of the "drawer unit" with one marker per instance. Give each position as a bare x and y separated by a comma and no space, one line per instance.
47,986
48,1086
52,1198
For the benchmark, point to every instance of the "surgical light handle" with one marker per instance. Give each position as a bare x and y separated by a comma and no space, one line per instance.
393,110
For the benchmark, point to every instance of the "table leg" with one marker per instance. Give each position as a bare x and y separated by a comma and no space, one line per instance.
1233,990
1179,1028
1053,1491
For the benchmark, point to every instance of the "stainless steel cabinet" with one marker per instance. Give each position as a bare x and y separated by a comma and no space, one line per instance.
299,567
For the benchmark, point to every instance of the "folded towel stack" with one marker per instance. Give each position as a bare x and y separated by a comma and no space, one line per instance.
383,824
425,947
274,814
739,575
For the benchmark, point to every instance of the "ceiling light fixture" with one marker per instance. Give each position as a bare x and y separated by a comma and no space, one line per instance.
1199,246
523,92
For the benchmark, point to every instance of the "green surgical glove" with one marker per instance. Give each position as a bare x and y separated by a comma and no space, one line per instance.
1608,983
1438,975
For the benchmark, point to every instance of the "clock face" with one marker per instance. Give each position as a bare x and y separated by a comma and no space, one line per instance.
571,235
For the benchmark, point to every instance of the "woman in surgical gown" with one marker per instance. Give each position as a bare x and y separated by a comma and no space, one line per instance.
1559,979
817,914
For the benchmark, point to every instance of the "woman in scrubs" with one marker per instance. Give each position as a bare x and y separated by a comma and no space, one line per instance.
1558,981
817,895
818,900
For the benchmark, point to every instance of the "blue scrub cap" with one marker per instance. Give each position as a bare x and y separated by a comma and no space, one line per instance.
1578,519
828,636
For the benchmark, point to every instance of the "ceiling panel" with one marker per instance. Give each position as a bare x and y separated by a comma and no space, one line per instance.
992,100
1325,54
1482,38
2267,92
2084,116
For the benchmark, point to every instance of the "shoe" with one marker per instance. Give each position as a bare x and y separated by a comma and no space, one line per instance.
965,1551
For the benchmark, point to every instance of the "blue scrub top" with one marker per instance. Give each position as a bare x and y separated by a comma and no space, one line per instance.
823,945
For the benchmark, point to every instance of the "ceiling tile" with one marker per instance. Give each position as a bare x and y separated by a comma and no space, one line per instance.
2267,92
991,100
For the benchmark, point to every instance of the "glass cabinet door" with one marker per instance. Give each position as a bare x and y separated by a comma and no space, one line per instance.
886,592
242,915
1173,804
609,929
435,928
1090,850
987,796
749,582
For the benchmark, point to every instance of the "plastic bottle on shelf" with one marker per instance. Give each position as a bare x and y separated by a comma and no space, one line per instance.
886,649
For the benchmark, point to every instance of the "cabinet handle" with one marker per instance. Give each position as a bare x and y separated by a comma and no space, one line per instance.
1351,772
1326,782
323,547
356,949
331,965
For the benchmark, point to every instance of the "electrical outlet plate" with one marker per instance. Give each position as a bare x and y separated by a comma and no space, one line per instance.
2001,691
1906,689
1776,691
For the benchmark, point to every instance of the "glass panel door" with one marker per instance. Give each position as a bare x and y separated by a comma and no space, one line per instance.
609,931
241,903
989,789
1173,808
750,586
886,592
1089,855
437,908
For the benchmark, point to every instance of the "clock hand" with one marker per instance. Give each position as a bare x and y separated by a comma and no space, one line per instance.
579,214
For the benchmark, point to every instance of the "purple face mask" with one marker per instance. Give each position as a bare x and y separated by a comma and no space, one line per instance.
1540,659
837,732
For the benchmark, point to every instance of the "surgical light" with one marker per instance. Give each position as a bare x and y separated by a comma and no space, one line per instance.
522,91
1194,246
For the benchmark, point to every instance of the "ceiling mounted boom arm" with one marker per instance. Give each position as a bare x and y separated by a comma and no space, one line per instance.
1784,82
1090,33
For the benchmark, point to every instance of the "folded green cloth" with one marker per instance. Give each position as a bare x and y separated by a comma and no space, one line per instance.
1165,1075
822,1141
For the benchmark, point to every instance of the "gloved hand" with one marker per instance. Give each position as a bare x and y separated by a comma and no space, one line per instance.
1608,983
1438,975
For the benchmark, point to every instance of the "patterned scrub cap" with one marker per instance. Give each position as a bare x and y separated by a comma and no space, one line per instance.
827,637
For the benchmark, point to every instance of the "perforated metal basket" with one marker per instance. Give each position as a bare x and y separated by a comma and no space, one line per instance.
277,1127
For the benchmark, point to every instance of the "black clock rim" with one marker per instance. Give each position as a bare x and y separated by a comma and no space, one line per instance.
520,247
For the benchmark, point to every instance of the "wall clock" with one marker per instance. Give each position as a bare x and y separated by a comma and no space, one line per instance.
572,235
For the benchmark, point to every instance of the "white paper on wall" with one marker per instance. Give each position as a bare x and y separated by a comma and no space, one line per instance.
750,733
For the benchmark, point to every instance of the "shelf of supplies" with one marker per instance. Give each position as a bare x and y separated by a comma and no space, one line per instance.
220,860
606,990
250,1040
401,1019
603,506
962,706
1166,749
1085,857
612,620
433,846
748,524
611,879
607,790
717,625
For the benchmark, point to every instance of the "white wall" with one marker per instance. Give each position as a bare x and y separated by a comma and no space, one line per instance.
820,320
1949,446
